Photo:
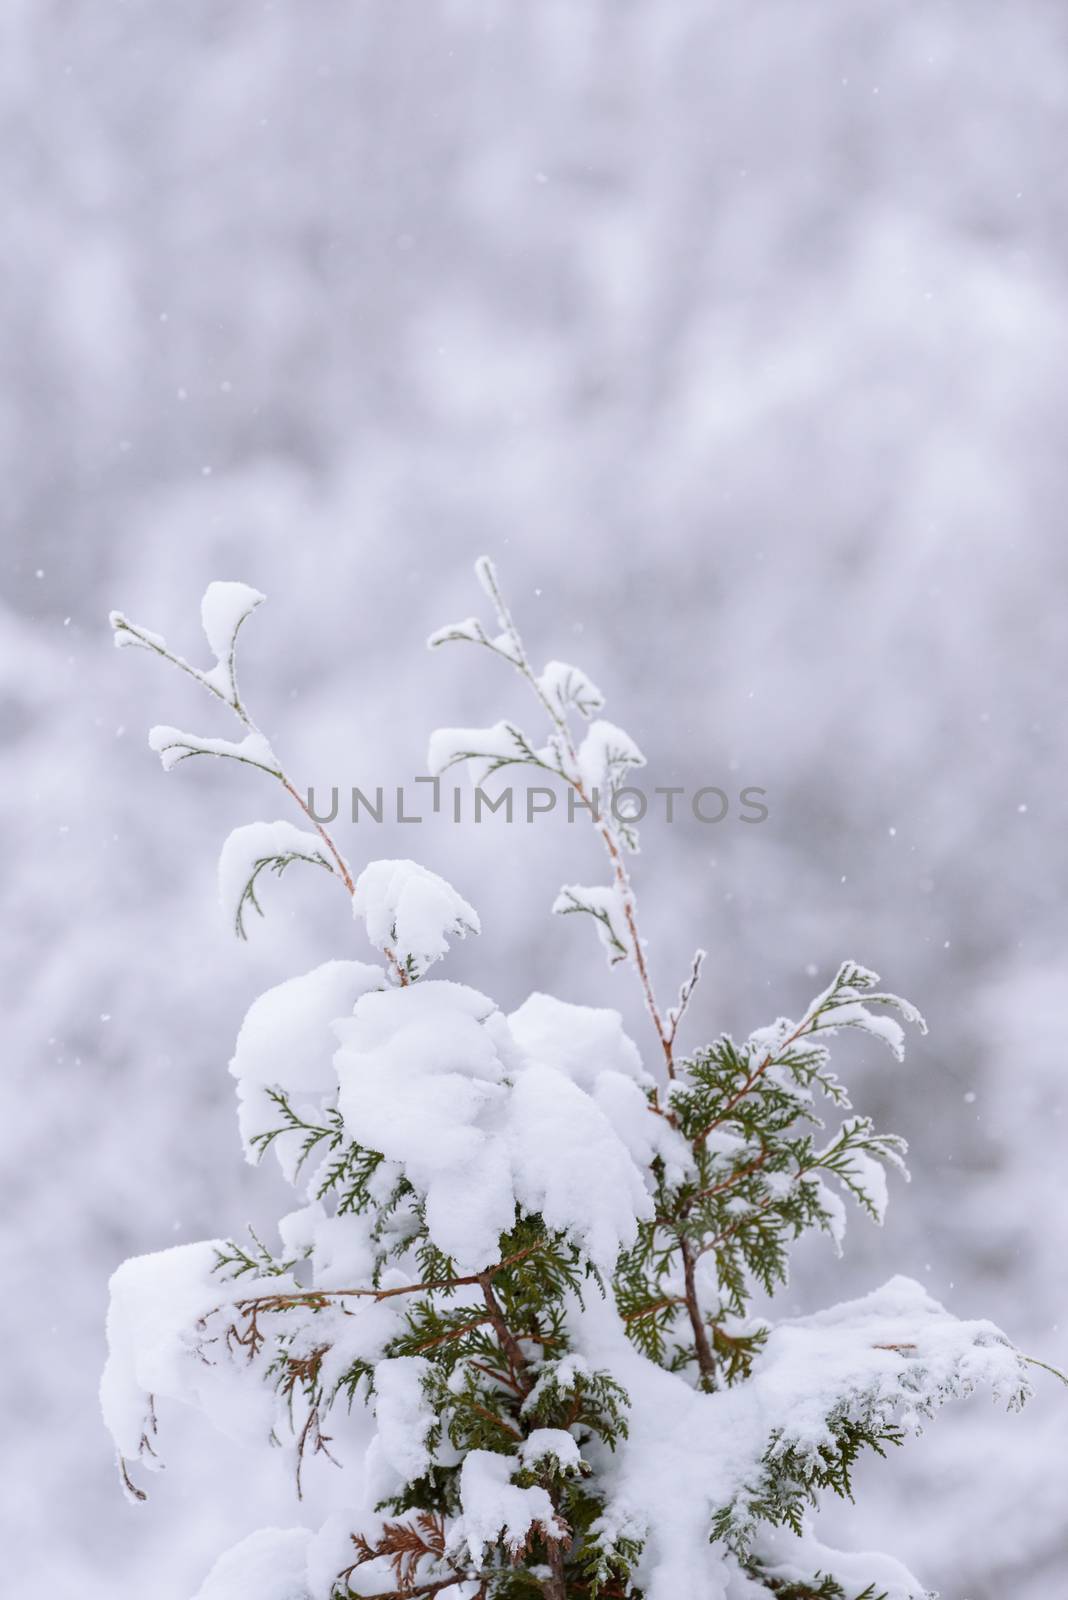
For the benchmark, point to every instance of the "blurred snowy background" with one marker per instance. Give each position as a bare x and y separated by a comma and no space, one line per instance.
738,334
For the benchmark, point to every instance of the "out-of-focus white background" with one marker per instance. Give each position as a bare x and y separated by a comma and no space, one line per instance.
738,335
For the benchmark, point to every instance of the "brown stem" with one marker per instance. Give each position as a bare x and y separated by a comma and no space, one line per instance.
498,1377
622,878
498,1422
402,976
758,1211
422,1589
754,1076
343,870
651,1310
555,1586
342,867
447,1338
728,1183
678,1011
705,1359
517,1361
320,1297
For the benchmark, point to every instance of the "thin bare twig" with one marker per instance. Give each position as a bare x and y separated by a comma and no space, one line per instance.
678,1010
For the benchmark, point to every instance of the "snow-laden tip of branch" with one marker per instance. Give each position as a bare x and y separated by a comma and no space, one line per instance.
877,1366
255,848
898,1346
686,993
568,688
494,1508
286,1045
223,609
486,750
128,636
486,573
173,746
470,631
550,1444
410,913
858,1157
846,1002
604,904
155,1302
606,755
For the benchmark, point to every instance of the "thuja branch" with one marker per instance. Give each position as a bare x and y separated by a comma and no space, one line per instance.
513,1352
749,1217
221,684
448,1135
129,632
754,1077
516,655
705,1359
316,1299
666,1024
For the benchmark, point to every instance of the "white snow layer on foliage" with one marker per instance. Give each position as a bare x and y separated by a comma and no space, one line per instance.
269,1565
125,638
339,1246
222,611
589,1046
567,687
604,903
156,1302
855,1013
793,1558
484,749
544,1110
256,845
411,912
286,1042
403,1414
581,1041
493,1507
435,1078
470,629
688,1454
605,754
172,746
550,1444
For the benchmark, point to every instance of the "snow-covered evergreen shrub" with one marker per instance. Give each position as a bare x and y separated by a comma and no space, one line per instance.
514,1300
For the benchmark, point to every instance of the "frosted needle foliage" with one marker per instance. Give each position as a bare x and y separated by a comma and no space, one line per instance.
512,1303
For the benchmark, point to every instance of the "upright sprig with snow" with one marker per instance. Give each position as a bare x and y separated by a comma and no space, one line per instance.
594,769
513,1303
